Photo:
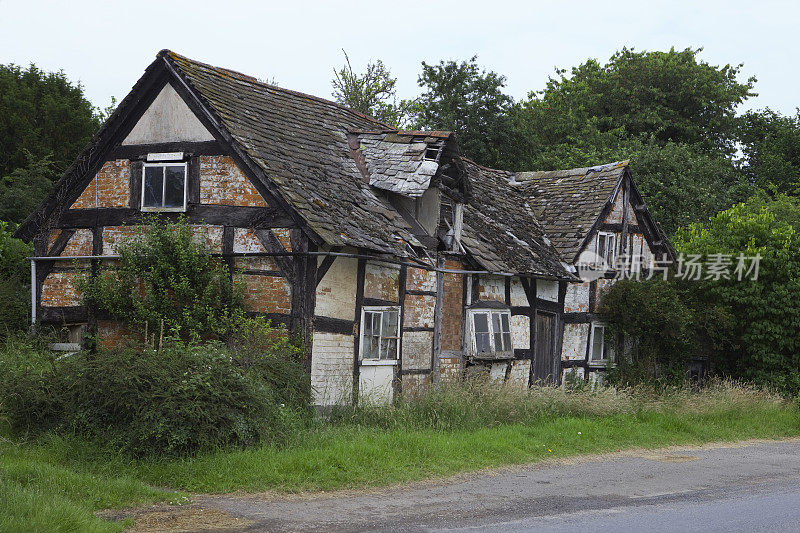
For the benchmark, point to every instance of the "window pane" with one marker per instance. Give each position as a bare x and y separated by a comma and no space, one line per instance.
610,251
390,322
173,193
371,343
507,342
482,341
601,246
504,322
481,322
597,343
498,333
389,349
153,183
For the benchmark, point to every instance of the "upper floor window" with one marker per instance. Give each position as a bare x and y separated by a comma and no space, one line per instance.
380,333
491,331
164,187
606,246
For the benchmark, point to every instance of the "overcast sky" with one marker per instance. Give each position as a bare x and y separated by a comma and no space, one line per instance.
107,45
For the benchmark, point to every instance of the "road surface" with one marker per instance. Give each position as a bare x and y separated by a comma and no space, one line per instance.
735,487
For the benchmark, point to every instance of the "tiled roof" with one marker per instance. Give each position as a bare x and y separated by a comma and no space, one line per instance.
568,202
300,142
500,229
397,161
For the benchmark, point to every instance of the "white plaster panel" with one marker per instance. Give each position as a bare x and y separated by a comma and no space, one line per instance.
417,349
521,332
518,296
375,384
576,299
336,291
520,373
497,372
547,289
576,336
168,119
332,368
492,288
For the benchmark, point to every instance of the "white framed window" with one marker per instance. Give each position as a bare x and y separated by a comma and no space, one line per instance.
601,348
164,187
491,331
606,247
380,334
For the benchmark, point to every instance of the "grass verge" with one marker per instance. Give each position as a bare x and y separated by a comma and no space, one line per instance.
54,483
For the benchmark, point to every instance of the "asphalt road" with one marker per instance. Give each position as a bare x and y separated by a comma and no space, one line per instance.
752,487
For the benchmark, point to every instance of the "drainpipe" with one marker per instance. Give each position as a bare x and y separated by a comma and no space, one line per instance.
33,291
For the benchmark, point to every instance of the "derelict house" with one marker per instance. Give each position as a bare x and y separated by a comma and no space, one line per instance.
399,261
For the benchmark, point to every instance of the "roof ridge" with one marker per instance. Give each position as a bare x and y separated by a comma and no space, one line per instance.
596,168
166,53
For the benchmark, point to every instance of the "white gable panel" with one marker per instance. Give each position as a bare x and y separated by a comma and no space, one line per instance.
168,119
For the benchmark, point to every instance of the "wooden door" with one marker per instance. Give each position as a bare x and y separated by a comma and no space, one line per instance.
545,364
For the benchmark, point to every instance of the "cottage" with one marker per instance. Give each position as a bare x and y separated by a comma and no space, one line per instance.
399,261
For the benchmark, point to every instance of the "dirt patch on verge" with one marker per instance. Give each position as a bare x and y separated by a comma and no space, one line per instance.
172,519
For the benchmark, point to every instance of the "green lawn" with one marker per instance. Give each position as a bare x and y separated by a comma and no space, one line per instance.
55,483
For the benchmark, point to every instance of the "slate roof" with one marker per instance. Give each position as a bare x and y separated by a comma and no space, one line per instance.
500,229
568,202
300,141
401,162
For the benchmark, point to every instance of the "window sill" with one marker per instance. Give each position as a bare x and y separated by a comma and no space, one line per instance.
493,356
379,362
164,209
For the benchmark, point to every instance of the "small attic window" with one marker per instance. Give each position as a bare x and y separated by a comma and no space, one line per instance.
431,154
164,187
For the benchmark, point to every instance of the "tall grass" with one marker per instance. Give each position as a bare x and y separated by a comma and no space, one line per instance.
473,404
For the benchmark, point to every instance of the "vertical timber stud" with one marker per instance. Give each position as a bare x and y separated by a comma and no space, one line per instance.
360,273
97,249
228,233
626,201
436,348
401,297
531,289
304,291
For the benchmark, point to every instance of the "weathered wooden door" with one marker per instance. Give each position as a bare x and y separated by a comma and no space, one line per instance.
545,364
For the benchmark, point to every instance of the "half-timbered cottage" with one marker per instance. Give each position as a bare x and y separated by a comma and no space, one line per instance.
398,260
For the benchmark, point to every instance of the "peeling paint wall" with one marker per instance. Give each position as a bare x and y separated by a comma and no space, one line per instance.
547,290
576,337
337,289
416,351
111,187
521,332
491,288
223,183
332,368
520,373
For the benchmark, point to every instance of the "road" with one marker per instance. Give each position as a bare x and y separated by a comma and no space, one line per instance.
736,487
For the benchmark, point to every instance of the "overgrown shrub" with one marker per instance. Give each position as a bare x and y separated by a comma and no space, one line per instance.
14,283
166,274
187,396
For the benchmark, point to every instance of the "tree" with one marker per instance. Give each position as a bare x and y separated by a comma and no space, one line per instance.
14,282
372,93
42,113
670,113
771,147
24,188
468,100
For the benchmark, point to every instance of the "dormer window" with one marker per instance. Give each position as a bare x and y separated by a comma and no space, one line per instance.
164,187
431,154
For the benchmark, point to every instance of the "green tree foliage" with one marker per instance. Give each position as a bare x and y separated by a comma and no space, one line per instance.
670,113
372,93
771,146
747,328
468,100
24,188
42,113
14,282
165,274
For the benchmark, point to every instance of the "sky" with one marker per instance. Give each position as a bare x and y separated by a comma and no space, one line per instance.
107,45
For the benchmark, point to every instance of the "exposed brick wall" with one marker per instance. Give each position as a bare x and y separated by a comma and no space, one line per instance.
111,187
267,294
615,216
419,311
450,368
113,236
112,333
452,307
59,289
208,235
492,288
381,281
223,183
419,279
245,241
80,243
332,368
417,346
284,235
414,384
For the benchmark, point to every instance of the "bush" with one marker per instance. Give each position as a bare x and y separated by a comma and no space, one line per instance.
14,283
182,398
